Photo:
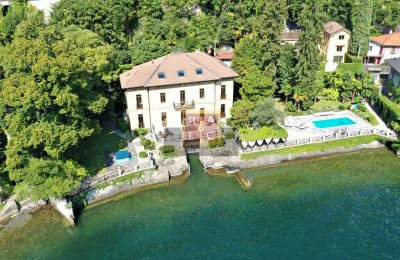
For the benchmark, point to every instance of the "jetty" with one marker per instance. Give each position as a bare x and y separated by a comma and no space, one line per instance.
245,181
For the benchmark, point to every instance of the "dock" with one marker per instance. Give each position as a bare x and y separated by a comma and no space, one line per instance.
245,181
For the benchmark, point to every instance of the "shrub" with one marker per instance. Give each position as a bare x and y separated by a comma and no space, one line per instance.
249,134
352,59
290,106
143,154
362,107
167,149
217,142
144,141
229,134
141,131
122,125
330,94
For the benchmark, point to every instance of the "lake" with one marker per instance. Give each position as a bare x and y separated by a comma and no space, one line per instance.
342,206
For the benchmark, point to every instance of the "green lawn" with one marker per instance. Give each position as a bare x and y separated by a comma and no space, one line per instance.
329,145
94,148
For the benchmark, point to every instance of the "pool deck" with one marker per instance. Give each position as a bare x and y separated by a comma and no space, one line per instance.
295,133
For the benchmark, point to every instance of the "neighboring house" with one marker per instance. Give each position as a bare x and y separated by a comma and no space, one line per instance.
394,74
290,37
335,44
44,5
380,49
226,57
163,93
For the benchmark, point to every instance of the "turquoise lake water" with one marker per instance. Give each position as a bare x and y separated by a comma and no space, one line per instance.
334,122
340,207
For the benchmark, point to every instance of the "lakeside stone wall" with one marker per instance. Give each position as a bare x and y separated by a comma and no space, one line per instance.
270,159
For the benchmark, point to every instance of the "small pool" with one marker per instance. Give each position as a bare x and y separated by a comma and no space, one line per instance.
123,156
333,122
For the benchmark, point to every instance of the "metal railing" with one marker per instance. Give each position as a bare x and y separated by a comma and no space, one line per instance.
317,139
93,181
184,105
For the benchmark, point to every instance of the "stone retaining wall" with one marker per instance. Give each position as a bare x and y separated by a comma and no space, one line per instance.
237,162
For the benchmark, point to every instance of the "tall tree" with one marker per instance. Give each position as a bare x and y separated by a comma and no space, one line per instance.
268,27
361,26
286,71
53,91
309,56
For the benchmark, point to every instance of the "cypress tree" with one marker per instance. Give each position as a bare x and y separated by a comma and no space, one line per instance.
361,26
309,57
268,27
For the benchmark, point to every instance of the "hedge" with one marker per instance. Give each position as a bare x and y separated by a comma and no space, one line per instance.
141,131
388,111
217,142
229,134
249,134
348,58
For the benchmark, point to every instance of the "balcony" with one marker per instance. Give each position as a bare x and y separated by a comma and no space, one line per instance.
184,105
377,68
139,106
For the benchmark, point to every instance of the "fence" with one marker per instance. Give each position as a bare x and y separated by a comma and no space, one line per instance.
93,181
271,145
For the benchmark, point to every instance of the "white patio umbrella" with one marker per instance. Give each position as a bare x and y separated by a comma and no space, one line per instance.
244,144
252,143
259,142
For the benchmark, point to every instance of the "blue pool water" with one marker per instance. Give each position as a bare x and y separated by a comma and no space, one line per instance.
334,122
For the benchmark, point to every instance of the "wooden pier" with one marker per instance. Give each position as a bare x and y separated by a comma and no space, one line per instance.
245,181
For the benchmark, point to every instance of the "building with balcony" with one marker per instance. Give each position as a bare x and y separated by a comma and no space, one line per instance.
380,49
336,44
176,90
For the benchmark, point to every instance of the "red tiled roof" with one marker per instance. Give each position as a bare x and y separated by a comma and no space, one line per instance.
225,55
392,39
146,74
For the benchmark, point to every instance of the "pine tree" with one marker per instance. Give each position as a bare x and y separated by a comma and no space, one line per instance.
268,27
309,55
361,26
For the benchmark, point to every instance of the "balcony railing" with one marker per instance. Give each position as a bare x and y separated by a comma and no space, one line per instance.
139,106
184,105
377,68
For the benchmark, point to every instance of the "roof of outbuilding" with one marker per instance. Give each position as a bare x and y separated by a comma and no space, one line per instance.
392,39
225,55
146,74
290,36
333,27
394,63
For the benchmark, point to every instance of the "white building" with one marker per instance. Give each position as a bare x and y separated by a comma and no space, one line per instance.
167,92
335,45
44,5
383,47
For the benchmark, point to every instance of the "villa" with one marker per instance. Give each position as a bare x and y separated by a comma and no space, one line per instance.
176,90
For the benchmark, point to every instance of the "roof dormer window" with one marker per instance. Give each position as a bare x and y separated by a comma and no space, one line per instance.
161,75
199,71
181,73
341,37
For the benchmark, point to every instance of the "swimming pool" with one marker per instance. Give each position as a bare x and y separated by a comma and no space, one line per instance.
333,122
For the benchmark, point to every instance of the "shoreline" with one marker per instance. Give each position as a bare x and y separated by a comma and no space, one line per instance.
276,159
268,161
